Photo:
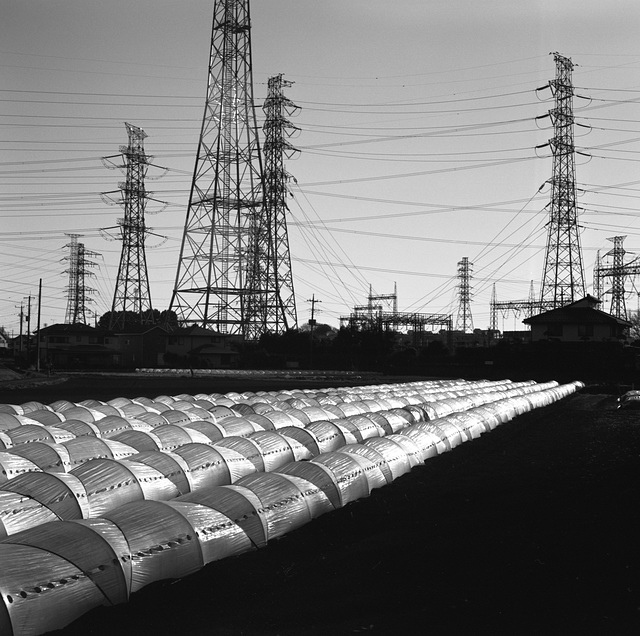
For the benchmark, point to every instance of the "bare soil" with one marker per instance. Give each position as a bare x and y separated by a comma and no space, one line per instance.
532,529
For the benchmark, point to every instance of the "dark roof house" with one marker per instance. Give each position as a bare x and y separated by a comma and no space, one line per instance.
576,322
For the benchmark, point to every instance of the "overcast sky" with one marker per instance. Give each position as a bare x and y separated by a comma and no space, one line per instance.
418,134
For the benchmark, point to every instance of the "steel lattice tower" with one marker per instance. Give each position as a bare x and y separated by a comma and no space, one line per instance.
464,321
563,276
273,308
218,254
132,284
618,274
618,271
78,294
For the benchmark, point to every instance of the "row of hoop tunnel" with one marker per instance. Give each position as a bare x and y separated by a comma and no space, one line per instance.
99,499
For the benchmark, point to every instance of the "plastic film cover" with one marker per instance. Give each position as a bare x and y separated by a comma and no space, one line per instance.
489,418
50,491
173,468
414,455
87,550
172,436
81,413
152,418
329,436
219,536
19,512
427,441
317,483
373,456
221,413
47,457
108,484
303,442
110,532
118,449
83,449
283,503
13,465
372,470
155,486
245,447
140,440
162,542
206,466
197,413
111,425
432,426
366,426
42,591
238,464
46,417
276,449
260,422
238,427
77,489
9,421
445,429
299,416
77,428
348,473
29,433
212,431
176,417
319,413
394,454
240,505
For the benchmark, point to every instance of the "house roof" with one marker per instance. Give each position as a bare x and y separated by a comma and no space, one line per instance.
195,330
581,311
77,327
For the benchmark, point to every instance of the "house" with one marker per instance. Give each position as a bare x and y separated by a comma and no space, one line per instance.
76,346
66,346
580,321
196,346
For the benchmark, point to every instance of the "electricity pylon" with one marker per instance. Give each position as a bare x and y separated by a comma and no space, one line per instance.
563,276
271,302
132,284
218,253
618,271
464,321
78,294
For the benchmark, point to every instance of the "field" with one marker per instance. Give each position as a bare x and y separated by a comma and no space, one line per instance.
531,529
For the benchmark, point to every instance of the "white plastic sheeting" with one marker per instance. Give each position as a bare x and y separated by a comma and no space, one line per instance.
159,488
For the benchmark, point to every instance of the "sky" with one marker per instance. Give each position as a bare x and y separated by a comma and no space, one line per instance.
421,131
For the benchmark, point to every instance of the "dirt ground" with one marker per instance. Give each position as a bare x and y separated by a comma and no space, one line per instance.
531,529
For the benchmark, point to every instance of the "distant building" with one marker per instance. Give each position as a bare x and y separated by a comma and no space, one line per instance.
66,346
579,321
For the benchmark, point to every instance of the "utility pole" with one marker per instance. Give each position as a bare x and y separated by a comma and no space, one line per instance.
312,324
21,320
38,327
29,330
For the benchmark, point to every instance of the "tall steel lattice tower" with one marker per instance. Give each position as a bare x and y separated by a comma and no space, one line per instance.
219,255
464,321
78,294
132,284
563,276
271,307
